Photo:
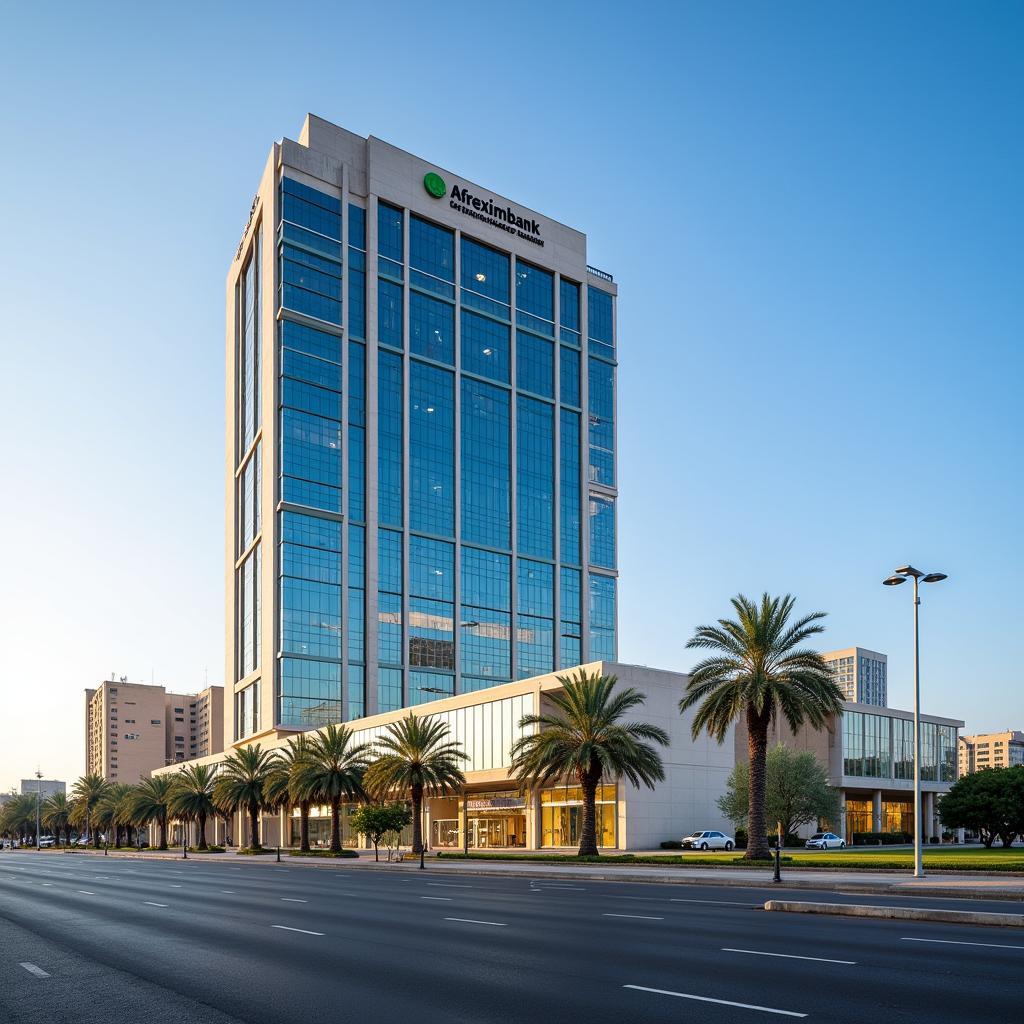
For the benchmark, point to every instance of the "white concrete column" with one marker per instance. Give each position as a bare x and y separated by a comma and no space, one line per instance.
842,818
928,811
876,811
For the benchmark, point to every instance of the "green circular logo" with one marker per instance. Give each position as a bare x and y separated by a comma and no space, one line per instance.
435,185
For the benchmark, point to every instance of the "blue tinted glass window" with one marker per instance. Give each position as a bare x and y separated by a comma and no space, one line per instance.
431,635
601,382
534,477
389,561
431,249
535,290
297,394
534,646
356,473
311,240
389,689
485,271
389,313
356,226
431,450
485,347
311,459
534,364
249,354
431,568
310,341
310,284
570,595
310,618
486,484
486,579
427,686
356,624
599,316
602,619
311,209
314,564
357,384
431,328
356,692
569,494
569,376
356,302
569,305
356,555
534,587
299,366
389,628
389,438
485,648
293,187
389,232
310,531
310,693
602,532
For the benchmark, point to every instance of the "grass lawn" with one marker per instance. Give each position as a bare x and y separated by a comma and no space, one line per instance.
943,858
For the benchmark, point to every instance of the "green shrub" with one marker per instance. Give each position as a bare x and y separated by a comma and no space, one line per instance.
671,844
322,853
263,851
880,838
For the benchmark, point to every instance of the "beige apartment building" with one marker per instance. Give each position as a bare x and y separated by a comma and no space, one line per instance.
861,674
132,729
991,750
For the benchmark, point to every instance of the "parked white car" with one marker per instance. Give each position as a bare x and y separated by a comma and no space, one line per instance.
45,842
708,840
825,841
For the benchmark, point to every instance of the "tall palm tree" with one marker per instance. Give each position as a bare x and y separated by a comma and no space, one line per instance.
585,738
151,802
281,790
110,809
243,782
19,816
332,769
87,792
192,797
415,758
55,816
758,671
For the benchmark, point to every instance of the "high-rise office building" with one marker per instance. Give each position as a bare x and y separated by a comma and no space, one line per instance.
421,440
132,728
861,674
991,750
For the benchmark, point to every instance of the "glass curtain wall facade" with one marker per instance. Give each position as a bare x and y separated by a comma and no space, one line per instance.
440,492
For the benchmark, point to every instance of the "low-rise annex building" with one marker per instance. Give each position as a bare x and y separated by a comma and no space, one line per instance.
491,813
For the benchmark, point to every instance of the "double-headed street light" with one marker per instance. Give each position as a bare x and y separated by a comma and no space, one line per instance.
901,575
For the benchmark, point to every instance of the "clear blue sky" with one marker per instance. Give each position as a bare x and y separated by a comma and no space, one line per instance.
814,213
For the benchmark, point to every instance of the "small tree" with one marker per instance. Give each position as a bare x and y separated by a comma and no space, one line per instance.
376,820
796,791
989,802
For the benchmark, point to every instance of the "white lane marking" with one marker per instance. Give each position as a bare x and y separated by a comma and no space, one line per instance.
304,931
636,917
720,1002
85,892
46,883
289,899
33,969
577,888
955,942
788,956
451,885
728,903
443,899
173,886
229,892
470,920
148,904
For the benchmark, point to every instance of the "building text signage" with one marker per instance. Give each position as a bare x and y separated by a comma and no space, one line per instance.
504,218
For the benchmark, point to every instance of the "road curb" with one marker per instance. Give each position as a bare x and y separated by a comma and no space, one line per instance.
898,913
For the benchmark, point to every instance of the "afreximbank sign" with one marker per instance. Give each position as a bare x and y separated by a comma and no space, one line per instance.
503,217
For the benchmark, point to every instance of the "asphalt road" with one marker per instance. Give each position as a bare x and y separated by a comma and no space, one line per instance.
84,939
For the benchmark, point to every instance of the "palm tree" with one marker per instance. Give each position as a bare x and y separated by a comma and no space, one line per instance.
759,670
110,809
56,813
151,802
192,797
415,758
18,816
87,793
243,782
332,769
281,790
584,738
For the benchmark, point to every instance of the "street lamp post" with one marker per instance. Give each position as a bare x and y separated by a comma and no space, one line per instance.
901,575
39,791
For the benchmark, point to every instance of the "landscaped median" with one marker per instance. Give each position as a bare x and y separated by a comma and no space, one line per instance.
952,858
977,917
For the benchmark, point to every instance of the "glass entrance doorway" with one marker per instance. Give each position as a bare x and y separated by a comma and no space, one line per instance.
490,831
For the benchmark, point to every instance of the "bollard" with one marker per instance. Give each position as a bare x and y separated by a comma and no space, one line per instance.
279,855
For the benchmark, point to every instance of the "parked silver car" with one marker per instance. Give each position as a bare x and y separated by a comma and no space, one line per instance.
825,841
708,840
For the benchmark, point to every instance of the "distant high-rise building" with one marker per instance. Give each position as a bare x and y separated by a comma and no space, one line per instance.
132,728
421,440
861,675
991,750
44,787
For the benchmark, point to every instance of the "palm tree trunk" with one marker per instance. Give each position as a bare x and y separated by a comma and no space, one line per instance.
417,822
254,827
117,837
304,826
757,751
95,835
588,834
201,845
163,832
336,825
